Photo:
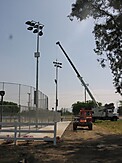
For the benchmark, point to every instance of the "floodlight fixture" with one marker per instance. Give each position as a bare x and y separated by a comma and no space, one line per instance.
36,26
41,27
40,33
30,28
35,31
28,23
2,93
32,23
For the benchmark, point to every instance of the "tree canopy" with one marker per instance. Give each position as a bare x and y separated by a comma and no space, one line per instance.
10,108
107,15
85,105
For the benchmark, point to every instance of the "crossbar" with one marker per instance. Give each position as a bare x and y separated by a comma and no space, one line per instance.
16,130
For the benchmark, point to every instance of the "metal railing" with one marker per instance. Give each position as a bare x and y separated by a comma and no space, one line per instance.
16,133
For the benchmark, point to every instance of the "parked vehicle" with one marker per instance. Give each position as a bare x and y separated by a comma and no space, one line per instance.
107,112
83,119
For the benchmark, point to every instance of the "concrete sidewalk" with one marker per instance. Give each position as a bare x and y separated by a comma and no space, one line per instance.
61,127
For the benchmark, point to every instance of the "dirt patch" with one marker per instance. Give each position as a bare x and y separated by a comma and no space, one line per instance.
96,146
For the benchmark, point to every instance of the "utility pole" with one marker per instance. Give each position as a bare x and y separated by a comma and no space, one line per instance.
57,65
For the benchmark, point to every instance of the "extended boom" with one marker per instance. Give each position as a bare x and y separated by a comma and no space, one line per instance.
78,75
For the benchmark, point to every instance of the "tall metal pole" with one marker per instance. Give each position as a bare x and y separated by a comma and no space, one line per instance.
29,105
56,81
37,55
19,117
57,65
1,111
2,93
37,28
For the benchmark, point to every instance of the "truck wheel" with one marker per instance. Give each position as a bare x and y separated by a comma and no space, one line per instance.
114,119
90,126
74,127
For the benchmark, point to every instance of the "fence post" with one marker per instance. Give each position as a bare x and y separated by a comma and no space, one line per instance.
19,108
55,131
15,133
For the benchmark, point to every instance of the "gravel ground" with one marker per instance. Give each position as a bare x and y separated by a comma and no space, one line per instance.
81,146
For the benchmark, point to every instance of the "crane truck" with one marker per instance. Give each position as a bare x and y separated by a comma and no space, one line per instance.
106,112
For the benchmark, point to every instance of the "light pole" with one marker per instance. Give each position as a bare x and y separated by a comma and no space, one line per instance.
36,27
2,93
29,102
57,65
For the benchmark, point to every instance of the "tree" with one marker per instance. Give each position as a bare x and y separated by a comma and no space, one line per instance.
86,105
107,31
10,108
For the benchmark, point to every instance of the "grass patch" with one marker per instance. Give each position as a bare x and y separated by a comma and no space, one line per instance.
113,126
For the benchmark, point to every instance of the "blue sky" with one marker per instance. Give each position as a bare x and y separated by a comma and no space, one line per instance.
17,62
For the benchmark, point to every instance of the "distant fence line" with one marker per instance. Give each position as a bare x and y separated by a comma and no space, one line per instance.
27,115
23,95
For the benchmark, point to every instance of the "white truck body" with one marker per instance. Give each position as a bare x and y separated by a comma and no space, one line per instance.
105,114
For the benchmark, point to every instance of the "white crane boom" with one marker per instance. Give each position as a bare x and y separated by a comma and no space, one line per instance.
78,75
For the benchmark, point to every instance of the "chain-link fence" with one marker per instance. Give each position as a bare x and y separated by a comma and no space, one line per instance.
20,105
23,95
12,113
